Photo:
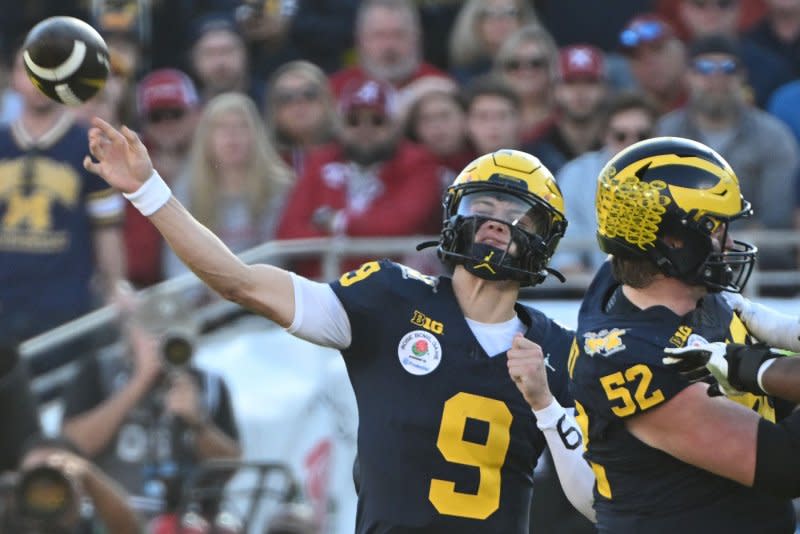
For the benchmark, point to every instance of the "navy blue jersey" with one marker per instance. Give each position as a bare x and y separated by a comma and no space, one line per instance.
49,205
617,372
446,443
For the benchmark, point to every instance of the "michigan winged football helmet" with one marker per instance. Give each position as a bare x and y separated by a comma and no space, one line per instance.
670,186
513,188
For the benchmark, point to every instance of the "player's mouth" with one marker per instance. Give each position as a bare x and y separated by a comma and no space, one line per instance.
492,242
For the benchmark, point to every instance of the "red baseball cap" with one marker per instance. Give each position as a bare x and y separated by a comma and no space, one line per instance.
166,89
582,62
368,93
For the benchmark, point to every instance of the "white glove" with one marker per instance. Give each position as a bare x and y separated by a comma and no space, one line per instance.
695,363
767,325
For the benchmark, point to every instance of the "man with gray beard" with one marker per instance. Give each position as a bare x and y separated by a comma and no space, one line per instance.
388,40
757,145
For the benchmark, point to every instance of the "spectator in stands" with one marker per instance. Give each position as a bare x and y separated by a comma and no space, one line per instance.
350,186
757,145
528,61
478,32
300,110
764,69
168,108
144,413
779,31
751,12
65,483
580,94
59,225
389,46
436,119
219,59
630,118
235,181
657,60
493,121
320,32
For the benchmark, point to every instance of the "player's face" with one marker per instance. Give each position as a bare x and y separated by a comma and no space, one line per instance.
721,239
505,211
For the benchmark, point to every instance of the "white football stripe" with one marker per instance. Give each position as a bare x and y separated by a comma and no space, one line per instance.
63,71
66,95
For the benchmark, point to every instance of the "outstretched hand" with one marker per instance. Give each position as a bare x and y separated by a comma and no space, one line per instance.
120,157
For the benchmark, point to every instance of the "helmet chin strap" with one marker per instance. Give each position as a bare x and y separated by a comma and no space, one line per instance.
488,262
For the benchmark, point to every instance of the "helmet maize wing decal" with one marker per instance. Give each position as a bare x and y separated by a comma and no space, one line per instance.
630,208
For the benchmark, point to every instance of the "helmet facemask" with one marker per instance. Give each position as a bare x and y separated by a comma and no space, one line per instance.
498,234
710,261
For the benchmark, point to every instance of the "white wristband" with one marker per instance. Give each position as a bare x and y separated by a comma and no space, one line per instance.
548,417
151,195
761,371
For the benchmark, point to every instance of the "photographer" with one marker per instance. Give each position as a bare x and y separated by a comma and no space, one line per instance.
58,491
145,415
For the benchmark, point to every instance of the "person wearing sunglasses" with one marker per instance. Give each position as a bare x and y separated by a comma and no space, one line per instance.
719,115
480,30
657,60
528,62
300,112
766,69
347,184
167,105
629,118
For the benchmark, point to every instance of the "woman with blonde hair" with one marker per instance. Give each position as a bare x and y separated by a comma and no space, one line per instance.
528,62
480,28
300,111
235,182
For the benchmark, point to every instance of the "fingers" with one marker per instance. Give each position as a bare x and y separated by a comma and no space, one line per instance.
109,131
521,342
90,165
130,136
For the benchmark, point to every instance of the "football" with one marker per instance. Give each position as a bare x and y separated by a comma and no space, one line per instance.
66,59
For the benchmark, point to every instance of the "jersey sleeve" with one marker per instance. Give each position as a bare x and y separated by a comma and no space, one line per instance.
364,294
630,381
104,205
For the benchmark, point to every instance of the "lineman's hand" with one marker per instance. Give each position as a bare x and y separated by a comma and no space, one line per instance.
122,159
526,366
733,365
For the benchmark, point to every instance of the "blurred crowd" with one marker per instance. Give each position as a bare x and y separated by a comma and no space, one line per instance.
281,119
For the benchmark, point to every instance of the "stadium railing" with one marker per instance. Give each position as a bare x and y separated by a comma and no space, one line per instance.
332,251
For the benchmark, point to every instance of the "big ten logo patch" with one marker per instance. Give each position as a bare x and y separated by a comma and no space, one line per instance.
420,319
680,336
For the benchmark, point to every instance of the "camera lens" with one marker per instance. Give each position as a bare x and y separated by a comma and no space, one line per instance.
177,350
44,493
